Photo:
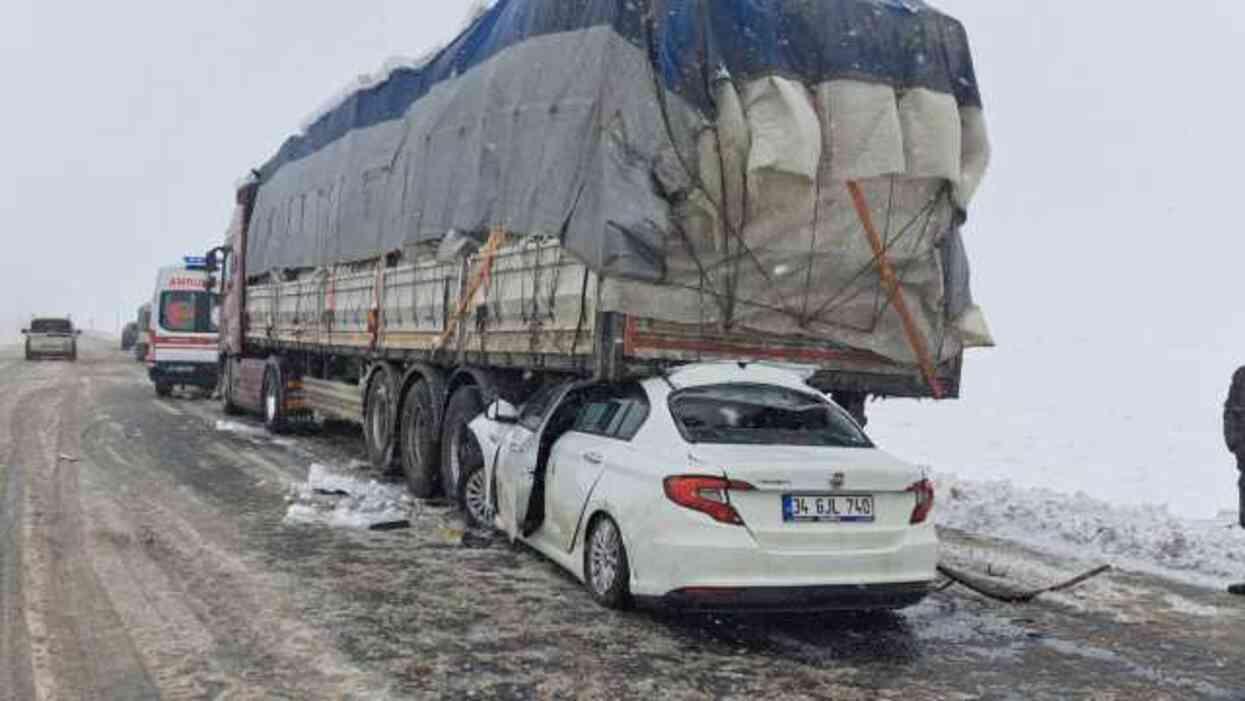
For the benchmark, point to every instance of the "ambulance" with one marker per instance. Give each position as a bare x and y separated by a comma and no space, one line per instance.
185,329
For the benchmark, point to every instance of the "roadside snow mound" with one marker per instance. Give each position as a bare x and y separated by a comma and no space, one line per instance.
342,499
1144,539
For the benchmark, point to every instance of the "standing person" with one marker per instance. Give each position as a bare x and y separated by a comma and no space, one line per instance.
1234,434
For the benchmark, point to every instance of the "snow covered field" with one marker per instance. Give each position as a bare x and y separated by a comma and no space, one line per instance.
1137,428
1076,449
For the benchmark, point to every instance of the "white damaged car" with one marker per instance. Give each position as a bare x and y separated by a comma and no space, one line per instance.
717,487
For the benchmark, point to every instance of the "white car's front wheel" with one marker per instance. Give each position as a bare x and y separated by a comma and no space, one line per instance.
607,572
472,490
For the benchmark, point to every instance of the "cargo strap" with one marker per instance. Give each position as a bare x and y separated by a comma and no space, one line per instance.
890,280
375,315
482,279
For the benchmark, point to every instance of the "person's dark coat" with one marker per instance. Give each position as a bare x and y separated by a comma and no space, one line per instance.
1234,415
1234,431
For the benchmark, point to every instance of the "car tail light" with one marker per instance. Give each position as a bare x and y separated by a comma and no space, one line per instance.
707,495
924,491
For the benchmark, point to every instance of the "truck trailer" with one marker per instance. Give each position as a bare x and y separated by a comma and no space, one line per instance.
609,189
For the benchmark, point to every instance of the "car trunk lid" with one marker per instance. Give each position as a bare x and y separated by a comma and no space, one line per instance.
820,478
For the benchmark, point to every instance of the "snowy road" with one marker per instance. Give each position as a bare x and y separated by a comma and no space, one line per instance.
149,551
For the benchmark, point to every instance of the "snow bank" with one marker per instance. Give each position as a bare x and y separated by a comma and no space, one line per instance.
346,499
1142,539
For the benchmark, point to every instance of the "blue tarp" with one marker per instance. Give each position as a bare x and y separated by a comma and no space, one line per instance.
903,43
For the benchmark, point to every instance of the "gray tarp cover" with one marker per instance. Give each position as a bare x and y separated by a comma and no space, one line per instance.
696,152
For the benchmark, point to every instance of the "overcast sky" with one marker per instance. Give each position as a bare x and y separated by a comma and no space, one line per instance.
1112,197
125,124
1106,242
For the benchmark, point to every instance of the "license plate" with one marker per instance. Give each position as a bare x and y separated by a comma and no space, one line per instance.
181,369
828,508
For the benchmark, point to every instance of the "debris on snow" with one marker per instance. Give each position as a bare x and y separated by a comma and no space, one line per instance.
1181,605
341,499
240,428
1009,594
390,525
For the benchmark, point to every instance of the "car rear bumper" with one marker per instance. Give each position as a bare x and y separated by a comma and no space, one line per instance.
187,374
864,597
52,352
686,560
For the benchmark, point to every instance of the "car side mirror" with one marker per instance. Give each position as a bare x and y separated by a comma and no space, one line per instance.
25,332
78,332
503,412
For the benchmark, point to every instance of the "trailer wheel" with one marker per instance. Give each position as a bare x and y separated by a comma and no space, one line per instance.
420,441
466,404
226,390
274,401
378,421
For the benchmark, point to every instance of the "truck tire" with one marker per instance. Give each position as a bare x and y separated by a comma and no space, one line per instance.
226,390
466,404
420,441
164,390
274,401
378,420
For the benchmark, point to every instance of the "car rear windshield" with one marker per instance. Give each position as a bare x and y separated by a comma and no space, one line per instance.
741,414
51,326
188,312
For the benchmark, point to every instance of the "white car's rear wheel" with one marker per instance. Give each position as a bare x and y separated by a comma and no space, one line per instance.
607,572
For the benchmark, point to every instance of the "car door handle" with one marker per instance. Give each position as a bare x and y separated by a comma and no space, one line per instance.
593,458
